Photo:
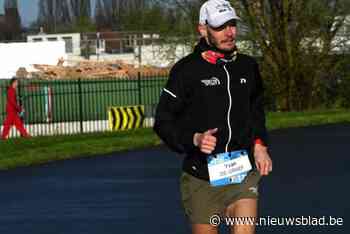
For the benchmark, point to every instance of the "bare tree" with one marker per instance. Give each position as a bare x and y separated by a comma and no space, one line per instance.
62,13
100,15
186,12
80,8
58,15
10,4
296,39
112,11
12,28
51,12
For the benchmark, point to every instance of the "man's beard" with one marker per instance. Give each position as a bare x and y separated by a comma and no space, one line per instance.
214,43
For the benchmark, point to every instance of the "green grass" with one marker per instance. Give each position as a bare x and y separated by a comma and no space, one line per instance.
277,120
33,151
25,152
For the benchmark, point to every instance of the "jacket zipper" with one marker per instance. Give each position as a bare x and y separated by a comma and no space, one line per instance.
229,109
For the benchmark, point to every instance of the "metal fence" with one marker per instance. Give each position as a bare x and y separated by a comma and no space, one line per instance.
60,107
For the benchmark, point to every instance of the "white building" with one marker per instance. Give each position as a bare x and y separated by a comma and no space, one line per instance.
72,41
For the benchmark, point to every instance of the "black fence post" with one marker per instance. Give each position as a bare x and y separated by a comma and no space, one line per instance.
80,106
139,87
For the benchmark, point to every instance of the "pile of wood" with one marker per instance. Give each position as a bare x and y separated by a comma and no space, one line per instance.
92,70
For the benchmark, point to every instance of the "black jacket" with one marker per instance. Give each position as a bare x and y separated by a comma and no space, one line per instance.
200,96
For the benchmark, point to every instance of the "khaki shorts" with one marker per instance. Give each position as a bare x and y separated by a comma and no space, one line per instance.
201,201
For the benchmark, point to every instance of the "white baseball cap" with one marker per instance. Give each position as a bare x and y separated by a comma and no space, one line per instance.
216,13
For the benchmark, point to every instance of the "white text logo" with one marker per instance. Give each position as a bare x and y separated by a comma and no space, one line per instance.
212,82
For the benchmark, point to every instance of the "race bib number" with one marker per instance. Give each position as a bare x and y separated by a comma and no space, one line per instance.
228,168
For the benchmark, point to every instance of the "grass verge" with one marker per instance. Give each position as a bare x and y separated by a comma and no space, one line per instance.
39,150
25,152
278,120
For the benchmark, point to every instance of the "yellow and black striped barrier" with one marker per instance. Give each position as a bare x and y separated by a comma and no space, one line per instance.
126,117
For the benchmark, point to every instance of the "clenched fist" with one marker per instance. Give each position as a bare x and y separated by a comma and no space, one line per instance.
206,141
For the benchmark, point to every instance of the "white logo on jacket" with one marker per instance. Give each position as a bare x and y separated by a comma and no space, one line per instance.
243,81
211,82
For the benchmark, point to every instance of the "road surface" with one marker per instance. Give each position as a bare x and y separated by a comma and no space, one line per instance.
137,192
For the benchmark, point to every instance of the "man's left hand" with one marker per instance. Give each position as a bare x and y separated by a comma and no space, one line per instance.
263,161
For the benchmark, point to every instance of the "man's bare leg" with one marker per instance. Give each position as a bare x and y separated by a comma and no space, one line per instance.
246,207
204,229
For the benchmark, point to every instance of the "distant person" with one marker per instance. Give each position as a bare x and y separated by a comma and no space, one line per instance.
13,112
211,109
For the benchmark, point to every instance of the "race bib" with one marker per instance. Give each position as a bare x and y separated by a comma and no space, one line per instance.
228,168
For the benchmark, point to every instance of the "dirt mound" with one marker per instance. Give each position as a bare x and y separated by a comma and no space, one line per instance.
91,70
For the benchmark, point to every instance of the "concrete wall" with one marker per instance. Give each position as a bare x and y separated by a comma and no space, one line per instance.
162,55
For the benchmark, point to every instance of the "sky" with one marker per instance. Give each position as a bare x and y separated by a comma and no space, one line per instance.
28,10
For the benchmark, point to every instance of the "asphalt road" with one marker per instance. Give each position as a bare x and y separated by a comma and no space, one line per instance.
137,192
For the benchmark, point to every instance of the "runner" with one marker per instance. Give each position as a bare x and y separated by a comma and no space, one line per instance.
212,110
13,111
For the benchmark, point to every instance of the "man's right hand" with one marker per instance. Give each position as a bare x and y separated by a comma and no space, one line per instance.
206,141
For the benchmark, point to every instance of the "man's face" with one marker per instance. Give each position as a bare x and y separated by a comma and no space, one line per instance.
223,37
